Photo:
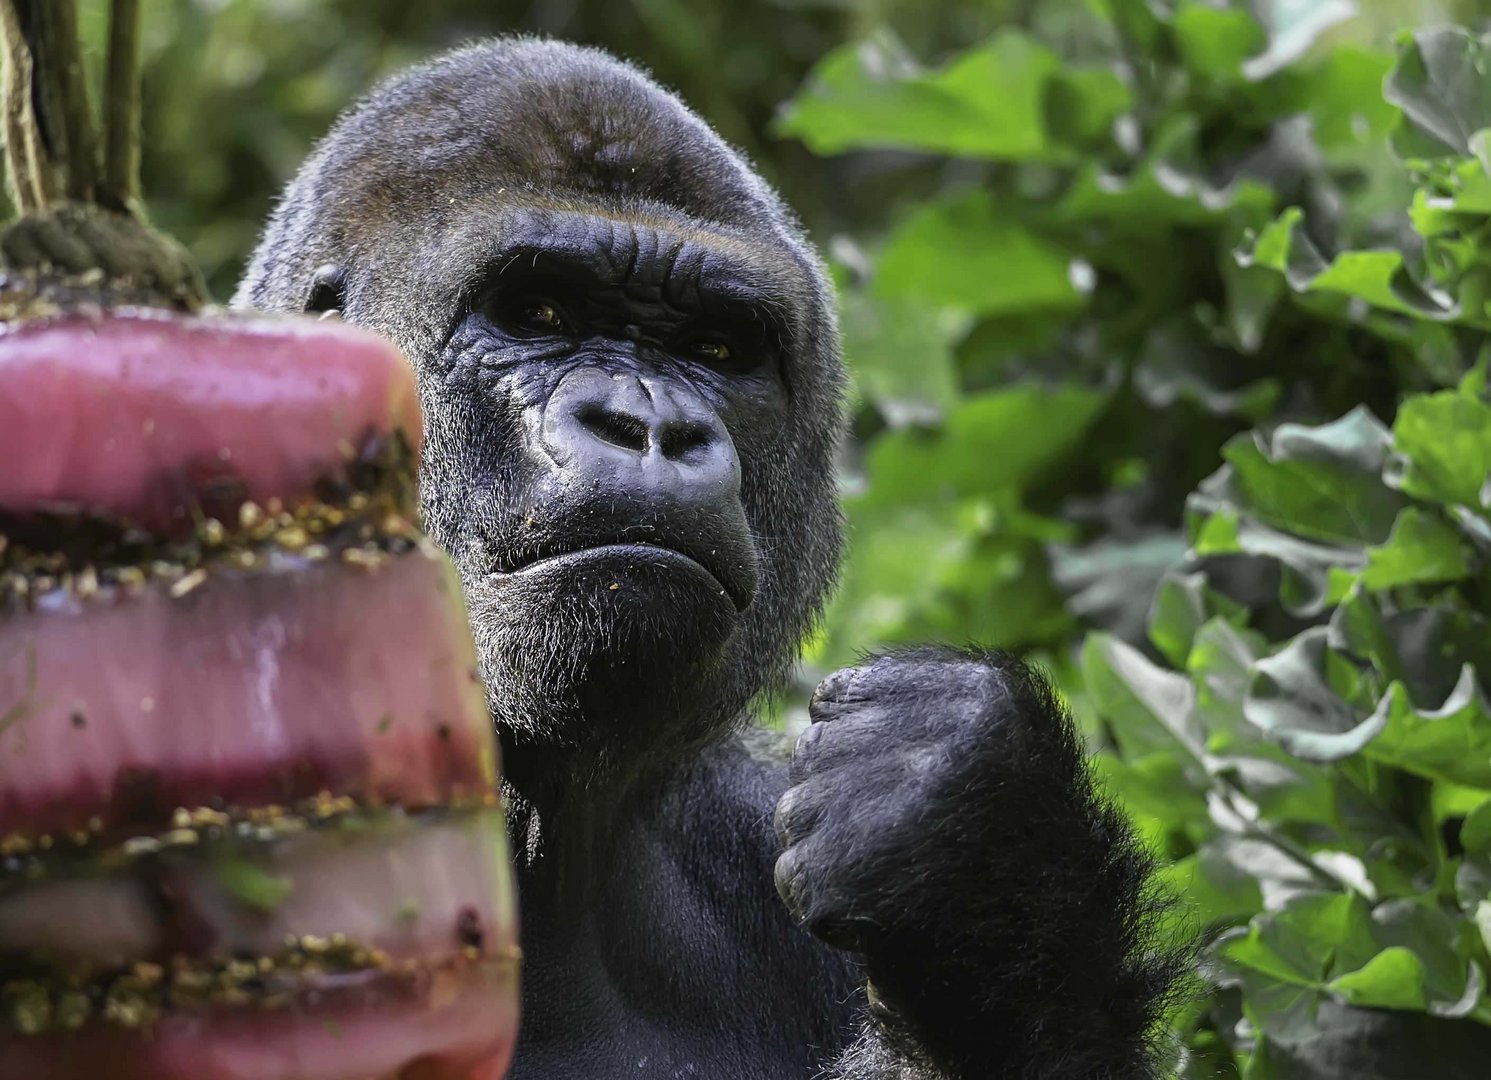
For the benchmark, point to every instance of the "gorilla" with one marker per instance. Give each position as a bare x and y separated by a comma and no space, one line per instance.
628,361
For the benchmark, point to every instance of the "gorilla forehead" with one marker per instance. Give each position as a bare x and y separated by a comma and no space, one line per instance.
557,118
543,119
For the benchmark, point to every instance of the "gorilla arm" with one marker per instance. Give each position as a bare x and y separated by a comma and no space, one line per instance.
943,824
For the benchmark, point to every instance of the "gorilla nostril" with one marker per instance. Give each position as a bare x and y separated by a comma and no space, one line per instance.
617,428
681,439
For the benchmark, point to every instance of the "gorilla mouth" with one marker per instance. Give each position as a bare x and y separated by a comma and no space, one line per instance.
739,588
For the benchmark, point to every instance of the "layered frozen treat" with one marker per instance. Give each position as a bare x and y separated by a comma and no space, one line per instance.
249,815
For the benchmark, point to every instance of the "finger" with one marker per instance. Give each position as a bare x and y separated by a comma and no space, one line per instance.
820,908
845,932
834,693
805,753
798,812
787,876
824,746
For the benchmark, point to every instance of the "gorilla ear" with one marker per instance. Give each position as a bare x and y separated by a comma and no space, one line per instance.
328,291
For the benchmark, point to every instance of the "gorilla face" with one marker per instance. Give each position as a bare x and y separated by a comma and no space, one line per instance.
613,399
627,360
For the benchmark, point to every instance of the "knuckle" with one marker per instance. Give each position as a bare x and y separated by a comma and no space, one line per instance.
836,690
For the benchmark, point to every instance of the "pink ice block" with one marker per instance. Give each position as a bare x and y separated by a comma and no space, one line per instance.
255,687
137,415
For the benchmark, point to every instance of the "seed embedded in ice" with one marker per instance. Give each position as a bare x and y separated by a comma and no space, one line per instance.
469,929
292,538
184,585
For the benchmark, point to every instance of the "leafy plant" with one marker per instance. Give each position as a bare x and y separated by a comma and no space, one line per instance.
1181,355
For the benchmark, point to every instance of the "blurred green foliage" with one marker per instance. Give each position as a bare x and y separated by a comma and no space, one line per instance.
1168,324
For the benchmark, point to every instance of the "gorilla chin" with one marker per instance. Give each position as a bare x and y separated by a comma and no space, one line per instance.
618,636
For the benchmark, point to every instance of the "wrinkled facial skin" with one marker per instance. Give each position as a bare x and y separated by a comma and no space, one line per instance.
628,365
612,407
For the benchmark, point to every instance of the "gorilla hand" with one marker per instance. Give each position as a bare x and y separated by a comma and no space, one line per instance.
943,824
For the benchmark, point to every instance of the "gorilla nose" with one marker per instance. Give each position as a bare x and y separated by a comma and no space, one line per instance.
655,433
676,439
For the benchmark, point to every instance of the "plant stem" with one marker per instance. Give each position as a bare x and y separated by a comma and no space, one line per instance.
65,119
121,186
25,157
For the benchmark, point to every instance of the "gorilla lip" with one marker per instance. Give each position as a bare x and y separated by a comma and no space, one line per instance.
740,595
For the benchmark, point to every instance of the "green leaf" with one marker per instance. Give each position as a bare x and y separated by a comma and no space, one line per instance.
1293,697
1309,572
1377,278
968,252
1293,26
1284,787
1111,584
1167,187
1308,941
1221,663
1452,742
1426,648
1343,97
900,354
1457,200
992,443
1475,833
990,102
952,569
1082,104
1213,887
891,569
1483,922
1444,443
1182,605
1421,548
1155,790
1177,364
1323,483
1442,84
1393,979
1148,707
1449,985
1214,40
1329,1040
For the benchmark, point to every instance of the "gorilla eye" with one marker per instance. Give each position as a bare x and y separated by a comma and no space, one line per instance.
711,352
527,314
538,317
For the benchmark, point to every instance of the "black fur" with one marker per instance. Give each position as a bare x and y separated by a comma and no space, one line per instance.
548,234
